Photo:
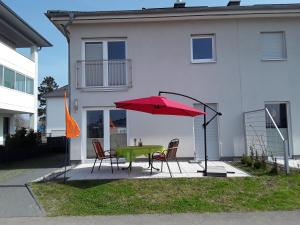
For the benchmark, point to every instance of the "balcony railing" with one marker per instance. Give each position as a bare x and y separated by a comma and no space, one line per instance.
104,74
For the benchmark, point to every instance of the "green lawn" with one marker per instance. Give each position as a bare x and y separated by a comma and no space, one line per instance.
82,198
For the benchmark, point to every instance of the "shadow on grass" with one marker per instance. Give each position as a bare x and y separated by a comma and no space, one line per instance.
83,184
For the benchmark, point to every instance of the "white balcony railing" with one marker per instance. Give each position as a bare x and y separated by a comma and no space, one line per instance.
104,74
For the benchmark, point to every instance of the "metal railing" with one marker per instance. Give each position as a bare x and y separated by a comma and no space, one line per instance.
263,136
104,74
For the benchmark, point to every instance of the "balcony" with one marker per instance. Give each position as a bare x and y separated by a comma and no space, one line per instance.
104,75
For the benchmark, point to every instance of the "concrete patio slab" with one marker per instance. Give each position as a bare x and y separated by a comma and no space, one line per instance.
140,171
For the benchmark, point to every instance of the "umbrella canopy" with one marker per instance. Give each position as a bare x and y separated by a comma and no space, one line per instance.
159,105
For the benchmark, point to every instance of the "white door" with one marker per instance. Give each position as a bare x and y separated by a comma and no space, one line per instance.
211,132
109,126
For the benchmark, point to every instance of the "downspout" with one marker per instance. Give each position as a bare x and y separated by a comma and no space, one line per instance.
67,35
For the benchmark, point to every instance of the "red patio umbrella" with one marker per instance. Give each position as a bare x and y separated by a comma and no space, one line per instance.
159,105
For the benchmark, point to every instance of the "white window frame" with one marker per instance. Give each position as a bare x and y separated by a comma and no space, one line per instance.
104,42
106,128
214,55
284,46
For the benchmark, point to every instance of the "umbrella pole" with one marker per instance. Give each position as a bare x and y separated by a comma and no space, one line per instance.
205,123
205,144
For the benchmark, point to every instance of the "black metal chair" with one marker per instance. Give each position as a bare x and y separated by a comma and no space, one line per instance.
101,154
168,155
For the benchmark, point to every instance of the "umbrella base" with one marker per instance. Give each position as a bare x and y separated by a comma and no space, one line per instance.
215,171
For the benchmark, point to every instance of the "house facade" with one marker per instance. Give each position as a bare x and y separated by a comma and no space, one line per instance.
235,58
55,125
18,74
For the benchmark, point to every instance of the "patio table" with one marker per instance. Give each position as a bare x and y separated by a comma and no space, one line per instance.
130,153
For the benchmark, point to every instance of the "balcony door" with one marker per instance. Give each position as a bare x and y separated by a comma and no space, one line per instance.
105,63
109,126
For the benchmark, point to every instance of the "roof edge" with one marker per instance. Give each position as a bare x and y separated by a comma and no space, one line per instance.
14,14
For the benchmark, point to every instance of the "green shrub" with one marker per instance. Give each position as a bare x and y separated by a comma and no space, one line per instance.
274,170
257,164
244,159
22,139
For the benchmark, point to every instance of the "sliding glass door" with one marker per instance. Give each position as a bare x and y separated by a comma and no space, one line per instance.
109,126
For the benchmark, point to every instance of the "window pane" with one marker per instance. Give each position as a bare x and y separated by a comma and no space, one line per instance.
94,51
20,82
118,128
116,50
273,45
117,63
202,48
29,85
279,114
94,64
94,130
9,78
1,75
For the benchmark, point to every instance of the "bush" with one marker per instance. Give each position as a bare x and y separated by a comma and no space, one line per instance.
246,160
22,139
274,170
257,164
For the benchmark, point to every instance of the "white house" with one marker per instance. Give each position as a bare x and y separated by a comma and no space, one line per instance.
235,58
18,74
55,119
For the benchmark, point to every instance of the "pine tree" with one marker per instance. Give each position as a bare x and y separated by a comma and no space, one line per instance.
47,85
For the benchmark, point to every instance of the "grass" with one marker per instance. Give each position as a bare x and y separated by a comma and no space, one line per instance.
81,198
263,171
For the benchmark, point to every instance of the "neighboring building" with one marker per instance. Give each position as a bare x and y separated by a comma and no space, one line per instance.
55,113
236,58
18,74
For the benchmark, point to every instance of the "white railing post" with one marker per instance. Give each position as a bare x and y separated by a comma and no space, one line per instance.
286,157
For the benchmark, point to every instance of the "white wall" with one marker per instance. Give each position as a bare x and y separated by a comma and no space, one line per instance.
271,81
55,117
160,54
12,99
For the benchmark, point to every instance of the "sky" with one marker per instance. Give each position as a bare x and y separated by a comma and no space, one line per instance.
54,61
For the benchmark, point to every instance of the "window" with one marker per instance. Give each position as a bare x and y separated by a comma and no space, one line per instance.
105,63
108,126
9,78
20,82
29,85
273,46
117,65
94,64
14,80
203,49
1,75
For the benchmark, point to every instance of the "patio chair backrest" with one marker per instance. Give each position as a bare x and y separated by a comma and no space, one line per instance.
98,149
172,148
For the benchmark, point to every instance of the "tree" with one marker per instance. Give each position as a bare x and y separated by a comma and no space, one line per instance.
47,85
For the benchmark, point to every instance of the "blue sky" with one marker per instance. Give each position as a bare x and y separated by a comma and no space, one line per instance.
53,61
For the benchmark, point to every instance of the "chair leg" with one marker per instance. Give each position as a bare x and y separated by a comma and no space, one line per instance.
161,167
178,165
111,165
94,165
168,167
100,164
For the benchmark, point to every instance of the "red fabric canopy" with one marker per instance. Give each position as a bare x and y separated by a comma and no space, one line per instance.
159,105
